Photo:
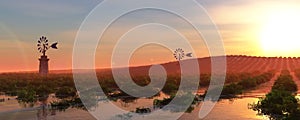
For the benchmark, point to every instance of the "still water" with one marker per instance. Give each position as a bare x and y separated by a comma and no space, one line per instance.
224,110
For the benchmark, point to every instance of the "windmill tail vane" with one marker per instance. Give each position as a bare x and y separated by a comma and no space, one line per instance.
54,45
189,55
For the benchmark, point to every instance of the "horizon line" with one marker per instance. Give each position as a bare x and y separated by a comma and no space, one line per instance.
143,65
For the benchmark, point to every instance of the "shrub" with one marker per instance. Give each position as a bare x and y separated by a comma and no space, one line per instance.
232,89
248,83
285,83
278,105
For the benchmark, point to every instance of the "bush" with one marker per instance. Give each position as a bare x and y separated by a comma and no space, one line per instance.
285,83
232,89
27,96
248,83
65,92
278,105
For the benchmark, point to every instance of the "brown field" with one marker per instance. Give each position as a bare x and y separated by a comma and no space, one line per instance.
236,65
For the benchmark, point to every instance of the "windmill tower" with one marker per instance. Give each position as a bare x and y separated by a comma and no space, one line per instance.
43,46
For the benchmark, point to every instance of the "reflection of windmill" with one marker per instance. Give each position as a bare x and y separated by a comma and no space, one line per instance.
43,46
179,54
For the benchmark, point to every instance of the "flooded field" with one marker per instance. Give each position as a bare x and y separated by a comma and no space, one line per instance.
225,109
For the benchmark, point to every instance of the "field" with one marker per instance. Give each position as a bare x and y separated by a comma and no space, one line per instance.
251,74
245,75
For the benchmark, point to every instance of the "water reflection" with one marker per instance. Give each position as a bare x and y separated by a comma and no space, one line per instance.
225,109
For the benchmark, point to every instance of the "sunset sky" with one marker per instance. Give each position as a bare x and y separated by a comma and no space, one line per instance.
247,27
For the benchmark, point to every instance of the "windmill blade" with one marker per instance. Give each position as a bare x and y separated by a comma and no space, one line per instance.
189,55
54,45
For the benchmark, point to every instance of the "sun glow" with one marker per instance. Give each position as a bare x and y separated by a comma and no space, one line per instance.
280,35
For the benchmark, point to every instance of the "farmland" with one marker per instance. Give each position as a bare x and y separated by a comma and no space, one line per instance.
244,75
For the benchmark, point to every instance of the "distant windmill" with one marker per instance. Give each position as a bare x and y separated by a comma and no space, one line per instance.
43,46
179,54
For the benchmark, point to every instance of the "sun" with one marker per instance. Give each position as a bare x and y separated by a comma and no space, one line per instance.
280,33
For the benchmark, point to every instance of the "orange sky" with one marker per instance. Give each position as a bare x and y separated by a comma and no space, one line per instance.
243,26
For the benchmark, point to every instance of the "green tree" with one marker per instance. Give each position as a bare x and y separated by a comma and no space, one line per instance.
278,105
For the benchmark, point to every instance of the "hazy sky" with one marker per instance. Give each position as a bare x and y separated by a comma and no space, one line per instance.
242,24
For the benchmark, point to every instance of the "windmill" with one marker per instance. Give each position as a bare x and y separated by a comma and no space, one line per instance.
179,54
43,46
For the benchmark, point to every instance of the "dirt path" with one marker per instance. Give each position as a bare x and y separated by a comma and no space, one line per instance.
265,87
295,78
